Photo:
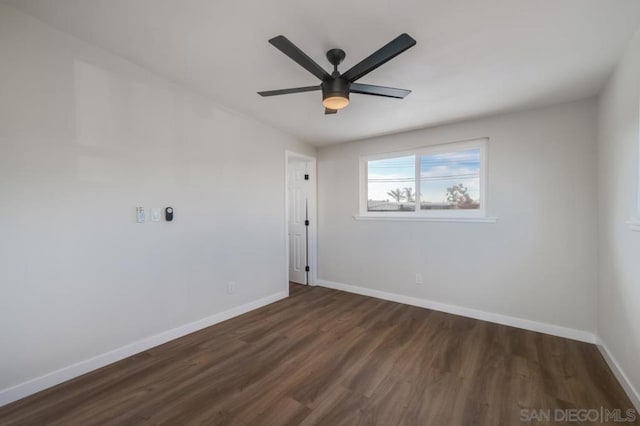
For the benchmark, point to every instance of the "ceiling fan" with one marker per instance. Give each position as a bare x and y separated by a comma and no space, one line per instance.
336,86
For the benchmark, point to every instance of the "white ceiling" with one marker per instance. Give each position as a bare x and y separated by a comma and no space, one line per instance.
473,57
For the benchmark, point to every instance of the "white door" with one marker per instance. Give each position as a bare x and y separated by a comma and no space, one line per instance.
298,210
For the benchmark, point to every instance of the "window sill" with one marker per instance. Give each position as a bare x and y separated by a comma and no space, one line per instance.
430,219
634,225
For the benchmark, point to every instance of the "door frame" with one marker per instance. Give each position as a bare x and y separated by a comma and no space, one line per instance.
312,261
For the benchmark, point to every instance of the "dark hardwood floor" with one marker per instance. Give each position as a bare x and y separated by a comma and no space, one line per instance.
328,357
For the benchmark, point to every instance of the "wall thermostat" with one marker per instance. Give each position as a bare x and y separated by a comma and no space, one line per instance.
168,214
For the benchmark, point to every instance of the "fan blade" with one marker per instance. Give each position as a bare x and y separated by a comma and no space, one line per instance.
381,56
330,111
288,91
291,50
388,92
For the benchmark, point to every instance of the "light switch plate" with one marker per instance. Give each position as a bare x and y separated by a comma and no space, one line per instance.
140,215
155,214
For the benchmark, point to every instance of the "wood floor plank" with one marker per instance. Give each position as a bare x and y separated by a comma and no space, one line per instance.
325,357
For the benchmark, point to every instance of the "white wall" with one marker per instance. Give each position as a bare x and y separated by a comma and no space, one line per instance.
619,251
84,138
538,262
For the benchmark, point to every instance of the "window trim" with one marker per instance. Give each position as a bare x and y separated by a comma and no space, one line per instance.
475,215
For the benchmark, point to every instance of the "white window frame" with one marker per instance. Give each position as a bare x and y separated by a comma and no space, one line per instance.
462,215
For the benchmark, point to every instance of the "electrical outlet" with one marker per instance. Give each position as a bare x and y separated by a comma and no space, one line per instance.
231,287
418,278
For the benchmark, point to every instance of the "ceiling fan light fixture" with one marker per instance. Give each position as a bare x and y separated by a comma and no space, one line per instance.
337,86
335,94
335,102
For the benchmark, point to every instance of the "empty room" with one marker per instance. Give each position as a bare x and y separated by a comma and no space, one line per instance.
286,212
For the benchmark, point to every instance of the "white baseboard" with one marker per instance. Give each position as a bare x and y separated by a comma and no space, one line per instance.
631,391
32,386
556,330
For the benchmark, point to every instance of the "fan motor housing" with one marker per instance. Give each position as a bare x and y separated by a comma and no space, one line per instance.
335,87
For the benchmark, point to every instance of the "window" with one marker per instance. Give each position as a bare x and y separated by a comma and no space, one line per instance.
638,182
438,181
634,223
391,184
